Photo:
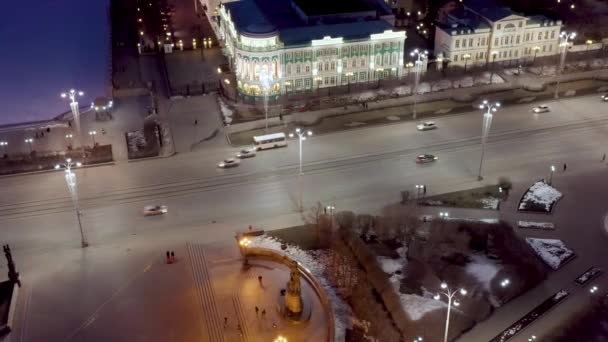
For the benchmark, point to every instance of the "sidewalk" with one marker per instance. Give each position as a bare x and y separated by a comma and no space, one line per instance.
430,105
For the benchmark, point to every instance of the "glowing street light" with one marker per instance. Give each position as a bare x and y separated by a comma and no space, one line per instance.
29,142
564,37
418,339
505,282
487,122
69,138
421,57
449,295
72,95
93,134
301,137
551,176
593,289
244,243
280,339
72,183
4,145
466,58
532,338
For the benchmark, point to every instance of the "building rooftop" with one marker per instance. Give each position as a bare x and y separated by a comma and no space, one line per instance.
489,9
463,19
347,31
324,7
263,17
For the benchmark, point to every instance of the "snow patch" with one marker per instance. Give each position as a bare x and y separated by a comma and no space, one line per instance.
482,269
417,307
552,251
535,225
540,193
490,202
227,113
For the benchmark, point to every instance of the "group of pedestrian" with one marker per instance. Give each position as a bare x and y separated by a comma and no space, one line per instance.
170,257
364,105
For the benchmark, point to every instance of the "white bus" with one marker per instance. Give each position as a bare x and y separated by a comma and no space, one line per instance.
263,142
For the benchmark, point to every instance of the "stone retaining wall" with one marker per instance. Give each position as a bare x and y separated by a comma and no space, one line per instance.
284,259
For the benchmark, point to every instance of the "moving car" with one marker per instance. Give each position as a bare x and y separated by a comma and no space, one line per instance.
247,153
425,126
605,97
425,158
230,162
543,108
151,210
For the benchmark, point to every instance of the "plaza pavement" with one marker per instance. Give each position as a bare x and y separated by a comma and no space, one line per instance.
579,222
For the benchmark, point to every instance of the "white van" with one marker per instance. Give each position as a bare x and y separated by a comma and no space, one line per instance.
263,142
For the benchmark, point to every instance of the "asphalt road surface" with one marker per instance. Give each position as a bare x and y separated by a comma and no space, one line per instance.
359,170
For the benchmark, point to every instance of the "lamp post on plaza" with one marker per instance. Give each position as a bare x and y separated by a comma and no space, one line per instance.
265,82
280,339
69,138
466,58
487,122
494,54
536,49
4,145
421,57
449,295
72,183
29,142
244,243
551,176
72,95
93,134
564,38
301,137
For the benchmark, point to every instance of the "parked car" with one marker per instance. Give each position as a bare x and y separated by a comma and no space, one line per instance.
425,158
605,97
247,153
426,126
227,163
151,210
543,108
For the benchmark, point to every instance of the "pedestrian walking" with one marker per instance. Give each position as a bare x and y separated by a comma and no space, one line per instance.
274,325
604,157
225,321
250,228
168,257
195,122
238,327
280,117
565,166
257,310
263,313
172,256
423,190
260,279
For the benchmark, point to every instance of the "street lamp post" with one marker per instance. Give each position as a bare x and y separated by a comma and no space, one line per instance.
421,57
4,145
487,122
244,243
72,183
466,58
69,138
536,49
301,137
280,339
564,37
93,134
72,95
264,82
29,142
551,176
449,295
494,54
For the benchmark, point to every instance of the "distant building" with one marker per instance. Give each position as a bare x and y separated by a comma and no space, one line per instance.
296,45
479,32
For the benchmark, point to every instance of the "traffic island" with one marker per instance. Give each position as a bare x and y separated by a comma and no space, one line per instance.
487,197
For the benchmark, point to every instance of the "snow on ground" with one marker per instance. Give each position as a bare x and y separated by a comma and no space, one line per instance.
424,87
416,306
402,90
136,140
442,85
484,78
535,225
464,82
390,266
366,96
310,260
482,269
226,112
490,203
540,193
552,251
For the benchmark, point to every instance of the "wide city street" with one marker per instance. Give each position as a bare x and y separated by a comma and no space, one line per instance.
359,169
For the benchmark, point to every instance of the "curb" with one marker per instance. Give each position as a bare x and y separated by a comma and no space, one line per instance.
28,173
150,158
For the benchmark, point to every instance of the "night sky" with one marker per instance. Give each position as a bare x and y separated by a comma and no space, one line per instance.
49,46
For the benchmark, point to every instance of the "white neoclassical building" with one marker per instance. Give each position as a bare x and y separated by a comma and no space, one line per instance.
478,33
280,46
